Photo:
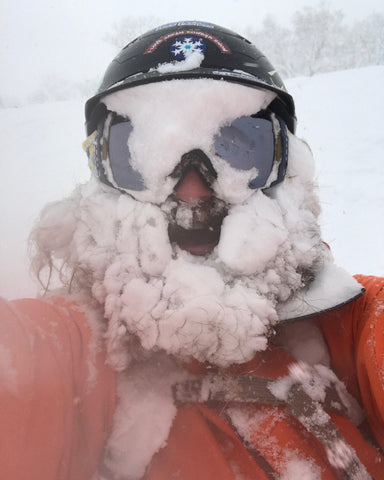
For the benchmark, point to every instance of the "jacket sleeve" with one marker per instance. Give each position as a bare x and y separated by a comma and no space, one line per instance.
56,393
355,335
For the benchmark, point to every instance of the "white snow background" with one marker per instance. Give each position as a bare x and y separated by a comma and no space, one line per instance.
339,114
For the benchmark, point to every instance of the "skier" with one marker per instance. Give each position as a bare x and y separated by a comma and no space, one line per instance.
194,325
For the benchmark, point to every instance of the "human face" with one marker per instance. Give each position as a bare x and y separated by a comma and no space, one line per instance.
180,157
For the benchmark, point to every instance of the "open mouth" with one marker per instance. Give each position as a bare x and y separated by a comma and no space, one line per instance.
201,233
199,241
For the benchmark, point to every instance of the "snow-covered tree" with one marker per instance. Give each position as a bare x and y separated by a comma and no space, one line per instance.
320,40
368,37
128,28
275,42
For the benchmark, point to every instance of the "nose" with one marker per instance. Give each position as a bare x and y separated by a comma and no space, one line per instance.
192,187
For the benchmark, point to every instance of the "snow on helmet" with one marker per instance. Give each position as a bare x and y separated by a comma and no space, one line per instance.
227,56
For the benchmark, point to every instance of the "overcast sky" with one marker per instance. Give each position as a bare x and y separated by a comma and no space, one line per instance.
64,37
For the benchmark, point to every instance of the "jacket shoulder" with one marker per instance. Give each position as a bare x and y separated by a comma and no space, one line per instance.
57,395
374,287
355,337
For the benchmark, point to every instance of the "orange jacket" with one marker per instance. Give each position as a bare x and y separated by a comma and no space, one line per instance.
57,401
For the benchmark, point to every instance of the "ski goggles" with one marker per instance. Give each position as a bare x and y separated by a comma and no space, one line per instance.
257,142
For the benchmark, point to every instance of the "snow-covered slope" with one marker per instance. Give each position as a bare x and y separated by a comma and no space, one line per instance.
339,114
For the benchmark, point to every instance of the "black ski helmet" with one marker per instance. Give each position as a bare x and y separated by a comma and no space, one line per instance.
227,56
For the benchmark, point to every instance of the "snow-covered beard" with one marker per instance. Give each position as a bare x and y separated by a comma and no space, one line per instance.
220,308
115,248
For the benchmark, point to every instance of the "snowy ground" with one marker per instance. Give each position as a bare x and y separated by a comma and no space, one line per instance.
340,114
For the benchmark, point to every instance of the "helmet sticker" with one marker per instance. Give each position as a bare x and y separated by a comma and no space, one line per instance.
184,33
190,24
182,47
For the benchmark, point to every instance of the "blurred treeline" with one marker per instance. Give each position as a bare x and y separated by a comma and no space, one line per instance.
318,40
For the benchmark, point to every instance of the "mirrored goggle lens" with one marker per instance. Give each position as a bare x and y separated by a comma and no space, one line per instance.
124,175
247,143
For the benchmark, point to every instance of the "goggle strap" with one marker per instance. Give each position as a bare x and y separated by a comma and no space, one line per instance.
89,146
282,144
89,143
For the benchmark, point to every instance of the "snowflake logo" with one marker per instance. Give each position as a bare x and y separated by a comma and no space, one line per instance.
182,47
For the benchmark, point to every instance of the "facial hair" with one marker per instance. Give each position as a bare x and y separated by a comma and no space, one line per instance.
220,308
